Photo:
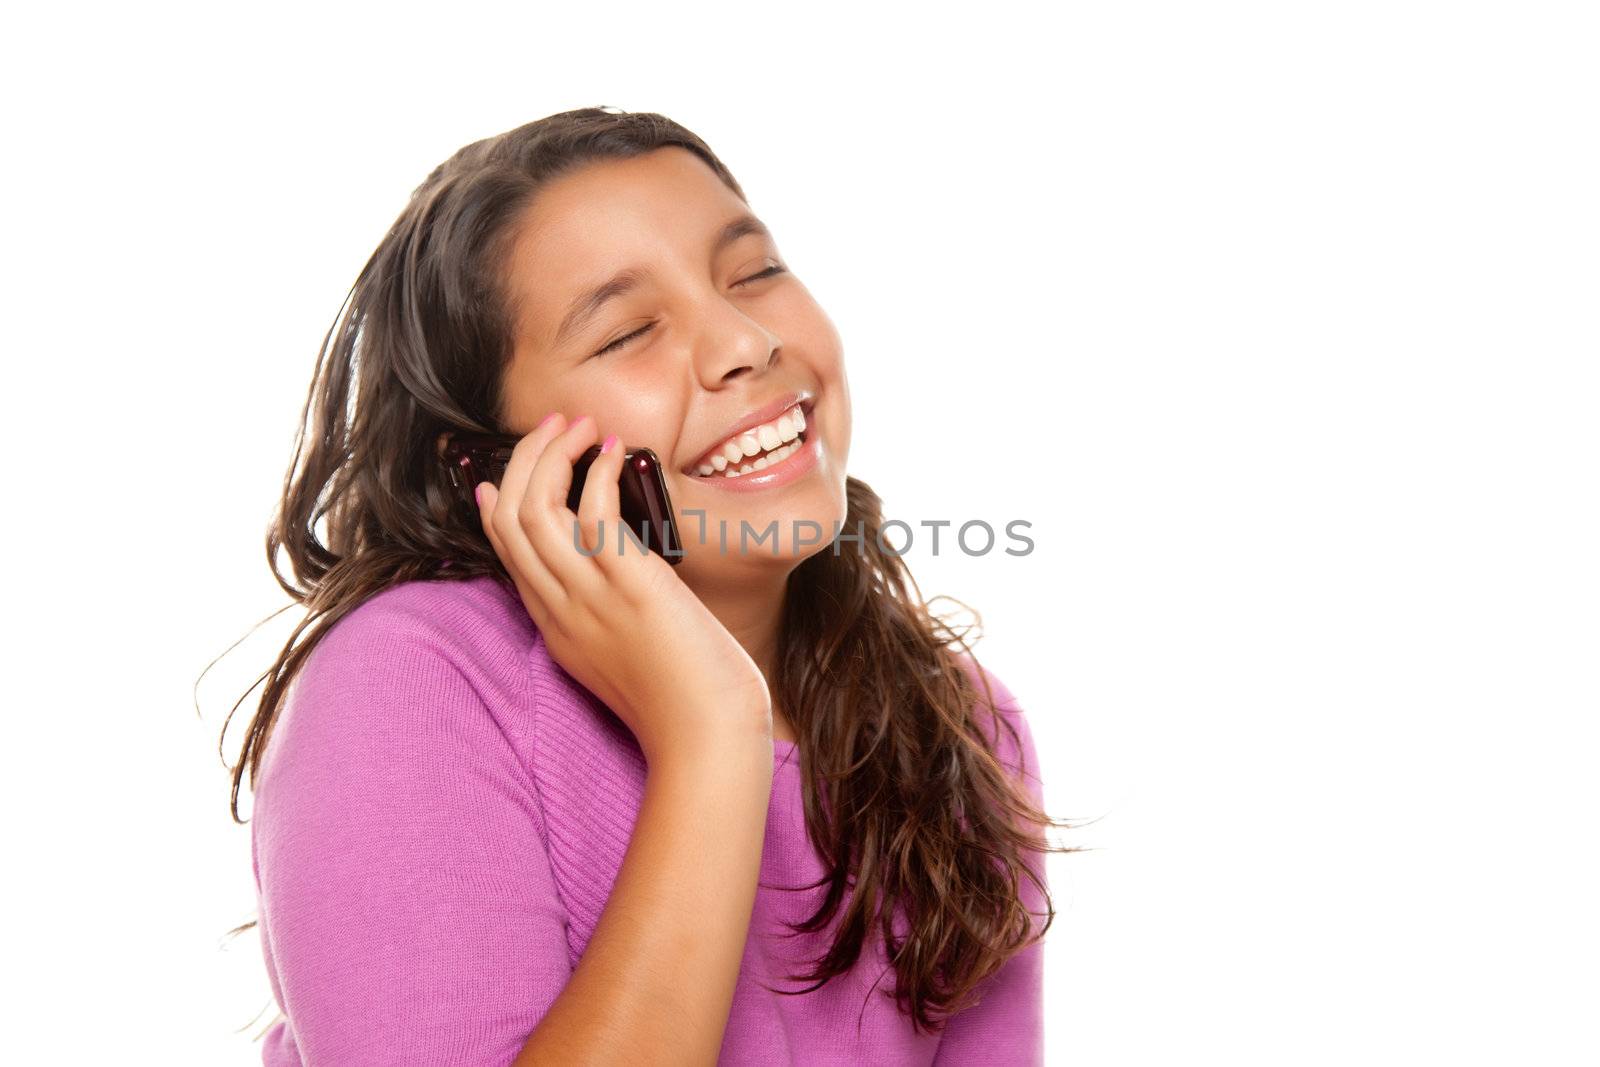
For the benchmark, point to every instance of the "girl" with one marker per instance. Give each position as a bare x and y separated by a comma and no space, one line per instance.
521,798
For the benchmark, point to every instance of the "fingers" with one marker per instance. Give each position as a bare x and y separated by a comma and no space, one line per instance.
551,477
514,483
544,514
499,508
562,556
539,588
600,508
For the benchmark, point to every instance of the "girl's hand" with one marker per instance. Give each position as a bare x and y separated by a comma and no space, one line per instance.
623,625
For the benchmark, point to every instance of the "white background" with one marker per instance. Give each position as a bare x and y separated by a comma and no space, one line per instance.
1277,320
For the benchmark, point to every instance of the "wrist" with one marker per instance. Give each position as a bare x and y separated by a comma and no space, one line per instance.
737,743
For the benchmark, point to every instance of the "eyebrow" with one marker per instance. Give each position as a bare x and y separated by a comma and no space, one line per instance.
589,302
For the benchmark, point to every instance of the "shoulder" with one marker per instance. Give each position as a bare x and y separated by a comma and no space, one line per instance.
1002,718
442,663
476,619
478,622
420,665
994,697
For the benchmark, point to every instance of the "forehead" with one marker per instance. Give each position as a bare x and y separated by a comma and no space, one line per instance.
607,215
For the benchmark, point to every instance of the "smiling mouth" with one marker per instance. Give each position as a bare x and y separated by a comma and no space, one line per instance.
757,448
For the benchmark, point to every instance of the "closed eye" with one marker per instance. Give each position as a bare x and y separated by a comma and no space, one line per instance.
647,327
776,268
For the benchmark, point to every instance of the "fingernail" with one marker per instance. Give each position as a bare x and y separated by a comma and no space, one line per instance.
609,443
477,494
544,420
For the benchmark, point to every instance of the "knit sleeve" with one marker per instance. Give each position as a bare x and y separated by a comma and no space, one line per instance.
407,906
1007,1025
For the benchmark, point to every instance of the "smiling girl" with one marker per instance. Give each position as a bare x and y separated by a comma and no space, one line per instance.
520,802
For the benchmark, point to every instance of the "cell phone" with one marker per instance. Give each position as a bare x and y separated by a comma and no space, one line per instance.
646,506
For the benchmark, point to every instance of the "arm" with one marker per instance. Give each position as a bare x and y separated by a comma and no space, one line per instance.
408,901
1007,1026
406,896
656,982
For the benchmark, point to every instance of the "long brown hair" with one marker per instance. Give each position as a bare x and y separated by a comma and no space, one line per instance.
905,798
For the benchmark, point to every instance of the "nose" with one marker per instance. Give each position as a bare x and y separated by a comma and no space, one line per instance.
731,344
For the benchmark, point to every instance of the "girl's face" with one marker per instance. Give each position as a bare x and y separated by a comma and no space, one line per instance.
700,339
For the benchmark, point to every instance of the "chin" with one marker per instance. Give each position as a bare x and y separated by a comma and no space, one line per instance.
781,532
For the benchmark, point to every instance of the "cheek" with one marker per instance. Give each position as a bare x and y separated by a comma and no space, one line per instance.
637,410
836,419
564,395
844,420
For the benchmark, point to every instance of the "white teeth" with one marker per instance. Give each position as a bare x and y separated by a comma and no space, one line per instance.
757,448
771,459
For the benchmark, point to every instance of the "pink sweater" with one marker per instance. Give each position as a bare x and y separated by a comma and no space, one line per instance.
441,814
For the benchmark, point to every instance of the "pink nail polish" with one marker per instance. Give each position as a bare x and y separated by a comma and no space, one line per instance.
477,494
544,420
609,443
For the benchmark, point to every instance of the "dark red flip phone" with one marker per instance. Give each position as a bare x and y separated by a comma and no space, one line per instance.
641,491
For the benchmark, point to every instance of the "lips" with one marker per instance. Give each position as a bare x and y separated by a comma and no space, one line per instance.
766,435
